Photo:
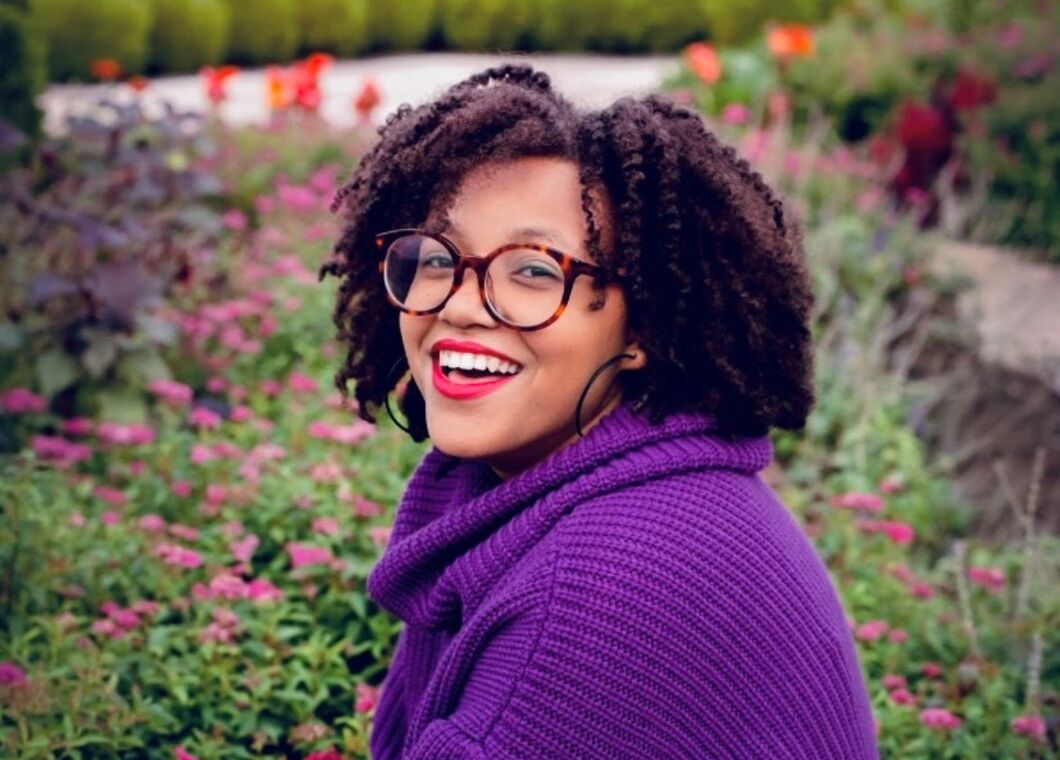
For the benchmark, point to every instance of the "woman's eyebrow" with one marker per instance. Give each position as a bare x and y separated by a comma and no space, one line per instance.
519,235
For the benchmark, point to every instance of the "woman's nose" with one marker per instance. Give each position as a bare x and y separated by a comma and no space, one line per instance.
465,304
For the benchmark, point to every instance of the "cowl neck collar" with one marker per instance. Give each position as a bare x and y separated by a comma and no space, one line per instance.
459,527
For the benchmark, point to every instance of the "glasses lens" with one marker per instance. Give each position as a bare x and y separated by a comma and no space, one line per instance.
418,271
525,286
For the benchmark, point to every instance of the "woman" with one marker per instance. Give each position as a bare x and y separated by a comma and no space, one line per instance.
602,315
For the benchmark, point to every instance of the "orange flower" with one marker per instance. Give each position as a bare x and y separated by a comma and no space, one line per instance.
279,92
317,62
216,81
790,41
106,69
138,83
704,60
367,99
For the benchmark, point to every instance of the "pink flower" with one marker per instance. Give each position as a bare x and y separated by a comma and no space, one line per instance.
201,453
77,520
735,113
380,535
271,387
241,414
899,532
171,391
111,495
244,548
922,590
991,578
859,501
182,488
216,494
890,485
897,636
363,507
261,590
59,449
367,698
301,383
303,555
204,419
184,531
327,526
871,630
21,400
902,696
180,754
178,556
326,472
234,220
330,754
125,435
216,384
11,674
110,518
77,426
939,718
892,681
1031,725
931,669
297,197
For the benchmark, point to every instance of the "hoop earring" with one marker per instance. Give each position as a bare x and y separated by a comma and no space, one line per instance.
585,391
391,379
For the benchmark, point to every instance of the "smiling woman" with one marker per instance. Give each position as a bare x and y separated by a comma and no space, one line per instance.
602,314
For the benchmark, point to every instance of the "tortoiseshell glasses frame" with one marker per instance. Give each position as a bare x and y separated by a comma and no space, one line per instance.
570,266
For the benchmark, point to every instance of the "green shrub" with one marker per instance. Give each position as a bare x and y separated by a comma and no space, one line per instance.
79,32
738,21
487,24
664,25
187,34
588,25
401,26
263,31
334,26
23,75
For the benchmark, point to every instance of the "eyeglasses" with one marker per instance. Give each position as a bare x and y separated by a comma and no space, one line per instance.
523,285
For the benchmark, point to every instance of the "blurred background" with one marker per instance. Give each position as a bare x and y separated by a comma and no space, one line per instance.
187,510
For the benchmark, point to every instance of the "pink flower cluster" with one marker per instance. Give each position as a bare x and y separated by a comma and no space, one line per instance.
178,556
118,620
304,555
170,391
57,449
858,501
916,586
991,578
22,400
899,532
11,674
223,629
873,630
121,434
939,718
1031,725
367,698
345,434
226,585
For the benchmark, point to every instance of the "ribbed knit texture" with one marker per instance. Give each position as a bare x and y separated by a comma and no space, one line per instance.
640,594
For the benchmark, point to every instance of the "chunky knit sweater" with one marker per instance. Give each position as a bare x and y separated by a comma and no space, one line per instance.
639,594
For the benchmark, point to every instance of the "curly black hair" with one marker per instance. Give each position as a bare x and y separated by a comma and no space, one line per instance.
717,287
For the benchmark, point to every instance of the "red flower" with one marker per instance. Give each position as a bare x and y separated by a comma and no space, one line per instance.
217,81
790,41
367,99
106,69
971,90
704,60
922,127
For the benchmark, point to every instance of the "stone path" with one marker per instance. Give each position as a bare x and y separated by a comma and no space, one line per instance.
590,80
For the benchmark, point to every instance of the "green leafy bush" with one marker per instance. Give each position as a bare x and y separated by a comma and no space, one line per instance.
487,24
406,25
334,26
664,25
588,25
734,22
23,75
262,31
188,34
80,32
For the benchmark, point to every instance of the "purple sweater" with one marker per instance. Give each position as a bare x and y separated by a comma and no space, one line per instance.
642,593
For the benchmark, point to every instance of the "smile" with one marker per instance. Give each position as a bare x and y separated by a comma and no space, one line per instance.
457,383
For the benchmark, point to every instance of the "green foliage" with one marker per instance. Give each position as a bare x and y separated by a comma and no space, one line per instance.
188,34
402,26
23,75
334,26
79,33
480,25
734,22
588,25
262,31
661,26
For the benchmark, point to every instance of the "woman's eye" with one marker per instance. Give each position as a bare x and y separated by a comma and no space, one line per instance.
536,271
436,261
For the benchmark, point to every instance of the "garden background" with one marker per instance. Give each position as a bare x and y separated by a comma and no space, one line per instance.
187,511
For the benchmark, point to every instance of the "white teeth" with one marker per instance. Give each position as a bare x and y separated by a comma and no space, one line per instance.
461,360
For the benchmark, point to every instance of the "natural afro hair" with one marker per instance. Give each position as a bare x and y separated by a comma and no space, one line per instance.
716,283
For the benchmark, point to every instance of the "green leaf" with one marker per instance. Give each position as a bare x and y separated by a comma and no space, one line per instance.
11,336
56,370
101,352
121,406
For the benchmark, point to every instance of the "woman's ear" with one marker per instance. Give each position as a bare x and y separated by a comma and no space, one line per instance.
640,355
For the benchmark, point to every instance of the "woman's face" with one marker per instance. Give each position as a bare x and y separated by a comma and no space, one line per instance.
521,420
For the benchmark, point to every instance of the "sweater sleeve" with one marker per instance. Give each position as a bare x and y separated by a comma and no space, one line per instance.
628,657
